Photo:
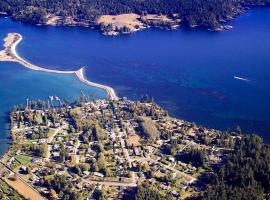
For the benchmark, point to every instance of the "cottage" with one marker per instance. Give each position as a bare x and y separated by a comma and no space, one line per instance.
98,174
171,159
23,168
56,154
3,171
174,193
173,175
137,151
86,173
149,149
56,147
164,187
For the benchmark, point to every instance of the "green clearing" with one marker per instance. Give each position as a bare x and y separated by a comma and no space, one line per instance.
24,160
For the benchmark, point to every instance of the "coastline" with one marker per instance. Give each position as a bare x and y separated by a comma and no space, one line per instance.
10,54
110,91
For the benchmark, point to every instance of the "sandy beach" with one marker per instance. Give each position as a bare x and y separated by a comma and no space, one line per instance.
10,54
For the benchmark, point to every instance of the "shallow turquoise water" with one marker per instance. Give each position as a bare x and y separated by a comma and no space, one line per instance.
190,73
18,83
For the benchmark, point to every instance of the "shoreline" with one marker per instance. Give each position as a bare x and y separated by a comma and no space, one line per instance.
126,28
10,54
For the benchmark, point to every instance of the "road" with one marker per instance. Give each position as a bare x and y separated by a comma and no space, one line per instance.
50,139
110,183
191,178
127,157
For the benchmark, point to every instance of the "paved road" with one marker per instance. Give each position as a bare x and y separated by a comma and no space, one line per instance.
192,179
50,139
110,183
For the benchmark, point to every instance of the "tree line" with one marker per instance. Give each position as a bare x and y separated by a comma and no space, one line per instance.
204,13
245,173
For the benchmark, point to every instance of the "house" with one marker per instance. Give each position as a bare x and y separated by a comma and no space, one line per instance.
174,193
98,174
56,154
86,173
149,149
137,151
164,187
56,147
173,175
60,139
41,141
57,124
89,150
141,175
159,154
11,160
4,171
112,136
171,159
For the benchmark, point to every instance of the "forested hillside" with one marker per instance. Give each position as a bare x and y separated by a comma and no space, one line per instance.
204,13
245,173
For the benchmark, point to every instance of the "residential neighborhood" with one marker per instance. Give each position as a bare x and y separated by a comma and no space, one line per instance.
107,149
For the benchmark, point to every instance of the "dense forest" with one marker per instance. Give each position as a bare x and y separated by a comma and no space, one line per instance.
245,173
203,13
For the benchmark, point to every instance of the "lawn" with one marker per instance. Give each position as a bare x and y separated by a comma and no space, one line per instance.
4,186
24,160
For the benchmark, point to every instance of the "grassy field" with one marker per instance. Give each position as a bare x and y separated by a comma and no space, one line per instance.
24,160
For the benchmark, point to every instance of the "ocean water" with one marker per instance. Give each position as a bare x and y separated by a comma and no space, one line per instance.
18,83
192,73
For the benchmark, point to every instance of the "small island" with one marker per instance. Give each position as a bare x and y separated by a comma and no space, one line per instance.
121,149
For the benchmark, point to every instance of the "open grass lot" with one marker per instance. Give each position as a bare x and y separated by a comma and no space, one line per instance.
4,187
5,158
24,160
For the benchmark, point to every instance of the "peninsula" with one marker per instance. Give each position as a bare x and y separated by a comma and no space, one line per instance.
123,149
9,54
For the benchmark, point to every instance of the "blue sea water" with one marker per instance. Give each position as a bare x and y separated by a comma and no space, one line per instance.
189,72
18,83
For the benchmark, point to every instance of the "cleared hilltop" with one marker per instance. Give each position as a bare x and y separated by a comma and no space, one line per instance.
162,13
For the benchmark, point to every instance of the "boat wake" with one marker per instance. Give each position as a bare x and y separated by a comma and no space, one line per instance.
241,79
